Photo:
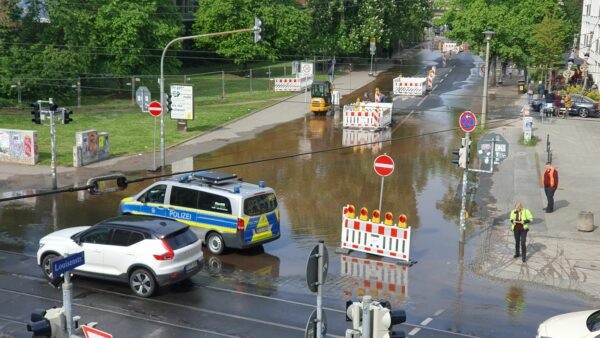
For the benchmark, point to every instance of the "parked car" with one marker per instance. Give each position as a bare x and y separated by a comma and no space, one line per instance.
583,106
582,324
223,210
537,104
146,252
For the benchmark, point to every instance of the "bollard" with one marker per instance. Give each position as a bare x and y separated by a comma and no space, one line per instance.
585,221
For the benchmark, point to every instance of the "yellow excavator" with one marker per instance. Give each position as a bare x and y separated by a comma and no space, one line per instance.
320,99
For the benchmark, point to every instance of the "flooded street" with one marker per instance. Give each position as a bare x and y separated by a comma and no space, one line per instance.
312,190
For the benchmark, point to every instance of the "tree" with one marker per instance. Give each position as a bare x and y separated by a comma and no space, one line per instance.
284,28
551,36
513,21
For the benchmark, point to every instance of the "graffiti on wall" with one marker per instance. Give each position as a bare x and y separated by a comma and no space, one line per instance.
18,146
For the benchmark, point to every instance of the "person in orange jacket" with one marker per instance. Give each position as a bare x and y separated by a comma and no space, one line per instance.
550,182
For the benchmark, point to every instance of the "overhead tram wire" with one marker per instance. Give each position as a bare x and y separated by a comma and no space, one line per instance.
269,159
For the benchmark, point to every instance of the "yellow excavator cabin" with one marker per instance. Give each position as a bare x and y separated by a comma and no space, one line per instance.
320,100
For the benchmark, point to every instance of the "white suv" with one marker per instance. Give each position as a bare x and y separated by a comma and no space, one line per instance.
145,251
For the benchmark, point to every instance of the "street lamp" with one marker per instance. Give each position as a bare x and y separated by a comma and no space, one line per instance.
257,37
488,36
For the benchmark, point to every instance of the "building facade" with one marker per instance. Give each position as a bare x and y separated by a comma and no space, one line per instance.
589,38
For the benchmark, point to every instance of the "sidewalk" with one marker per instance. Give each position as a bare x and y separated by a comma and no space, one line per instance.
558,254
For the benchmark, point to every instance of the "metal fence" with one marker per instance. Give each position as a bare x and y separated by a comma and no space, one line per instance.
112,92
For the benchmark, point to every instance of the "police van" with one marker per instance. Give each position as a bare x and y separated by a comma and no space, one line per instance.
223,210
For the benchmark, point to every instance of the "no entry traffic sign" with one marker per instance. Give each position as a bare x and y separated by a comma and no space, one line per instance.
467,121
383,165
155,108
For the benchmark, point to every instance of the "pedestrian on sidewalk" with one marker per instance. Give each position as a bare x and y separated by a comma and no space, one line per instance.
550,181
541,90
567,104
331,73
530,92
520,219
557,100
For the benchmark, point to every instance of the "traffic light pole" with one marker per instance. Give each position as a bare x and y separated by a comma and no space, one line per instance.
162,79
320,291
463,210
67,287
53,147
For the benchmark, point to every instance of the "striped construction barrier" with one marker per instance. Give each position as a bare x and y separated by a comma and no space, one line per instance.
370,116
292,84
370,236
412,86
381,280
368,138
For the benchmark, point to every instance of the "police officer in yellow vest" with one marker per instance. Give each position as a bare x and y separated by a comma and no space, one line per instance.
520,219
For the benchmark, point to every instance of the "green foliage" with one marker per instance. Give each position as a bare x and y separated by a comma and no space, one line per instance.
550,40
343,27
532,141
594,95
283,30
513,21
57,41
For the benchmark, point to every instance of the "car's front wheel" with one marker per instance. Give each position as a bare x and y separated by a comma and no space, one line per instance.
583,112
47,265
142,283
215,243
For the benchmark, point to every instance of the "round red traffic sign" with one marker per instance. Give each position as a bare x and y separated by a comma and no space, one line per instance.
383,165
467,121
155,108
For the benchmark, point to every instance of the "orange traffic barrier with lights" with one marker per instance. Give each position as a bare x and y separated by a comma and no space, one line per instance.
373,236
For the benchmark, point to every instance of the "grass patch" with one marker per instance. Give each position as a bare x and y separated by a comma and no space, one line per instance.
129,132
532,142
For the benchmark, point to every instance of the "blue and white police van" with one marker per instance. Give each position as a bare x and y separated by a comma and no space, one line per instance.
223,210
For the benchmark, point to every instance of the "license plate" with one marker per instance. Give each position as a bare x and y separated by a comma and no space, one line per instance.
191,266
261,229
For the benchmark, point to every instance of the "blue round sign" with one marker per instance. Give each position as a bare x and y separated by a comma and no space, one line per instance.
467,121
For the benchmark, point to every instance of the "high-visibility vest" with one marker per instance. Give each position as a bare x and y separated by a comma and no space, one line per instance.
551,175
525,216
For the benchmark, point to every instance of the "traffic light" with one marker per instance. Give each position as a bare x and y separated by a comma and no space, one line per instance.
462,153
66,115
257,30
35,111
169,103
354,315
383,319
39,324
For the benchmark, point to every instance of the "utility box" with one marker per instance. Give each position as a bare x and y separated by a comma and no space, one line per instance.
90,146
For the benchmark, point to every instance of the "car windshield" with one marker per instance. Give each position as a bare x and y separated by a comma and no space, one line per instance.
261,204
593,321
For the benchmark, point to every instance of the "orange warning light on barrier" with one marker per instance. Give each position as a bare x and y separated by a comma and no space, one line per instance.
375,218
389,219
349,211
402,221
364,214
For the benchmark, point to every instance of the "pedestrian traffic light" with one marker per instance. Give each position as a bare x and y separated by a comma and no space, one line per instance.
257,30
354,315
39,324
35,111
461,160
384,319
169,103
66,118
463,153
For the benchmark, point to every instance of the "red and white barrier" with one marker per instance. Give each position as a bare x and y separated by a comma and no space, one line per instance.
375,278
412,86
370,116
292,84
375,238
450,47
370,139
